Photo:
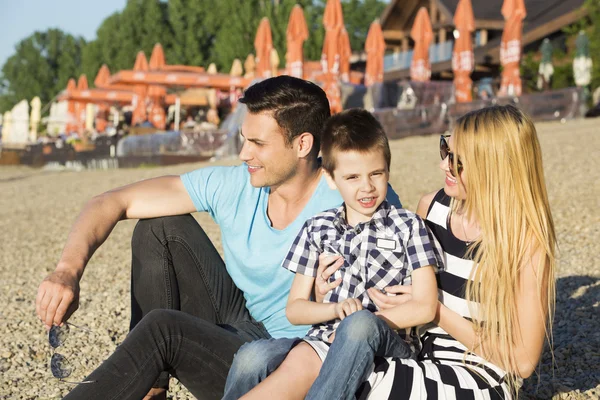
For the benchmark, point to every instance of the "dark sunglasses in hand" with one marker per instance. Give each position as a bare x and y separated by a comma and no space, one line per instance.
59,365
445,152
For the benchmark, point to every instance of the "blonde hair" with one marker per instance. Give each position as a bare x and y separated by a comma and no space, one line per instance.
506,193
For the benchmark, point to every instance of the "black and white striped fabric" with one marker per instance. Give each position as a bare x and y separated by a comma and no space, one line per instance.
442,370
378,253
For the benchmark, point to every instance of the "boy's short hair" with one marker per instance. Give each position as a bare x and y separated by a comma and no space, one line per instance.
297,105
353,130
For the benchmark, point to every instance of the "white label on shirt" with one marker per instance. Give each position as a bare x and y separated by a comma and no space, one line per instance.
386,244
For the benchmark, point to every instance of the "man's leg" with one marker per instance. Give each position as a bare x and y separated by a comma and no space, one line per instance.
176,266
358,339
195,351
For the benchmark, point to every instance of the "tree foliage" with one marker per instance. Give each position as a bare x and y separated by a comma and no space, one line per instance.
41,66
192,32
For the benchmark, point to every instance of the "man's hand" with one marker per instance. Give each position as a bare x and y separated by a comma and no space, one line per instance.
347,307
328,264
399,294
57,298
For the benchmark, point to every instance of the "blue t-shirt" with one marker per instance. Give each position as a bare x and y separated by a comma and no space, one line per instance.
253,249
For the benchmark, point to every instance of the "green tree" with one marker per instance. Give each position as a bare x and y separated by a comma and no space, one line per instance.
193,26
593,7
358,15
41,66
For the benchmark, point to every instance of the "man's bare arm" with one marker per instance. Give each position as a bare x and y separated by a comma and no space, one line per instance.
58,295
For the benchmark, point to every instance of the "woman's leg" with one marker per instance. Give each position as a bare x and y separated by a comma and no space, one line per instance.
358,339
196,352
292,379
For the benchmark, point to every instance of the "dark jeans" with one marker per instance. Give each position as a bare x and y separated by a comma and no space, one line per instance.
175,266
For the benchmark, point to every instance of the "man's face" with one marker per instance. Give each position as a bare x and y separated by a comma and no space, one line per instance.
271,161
362,180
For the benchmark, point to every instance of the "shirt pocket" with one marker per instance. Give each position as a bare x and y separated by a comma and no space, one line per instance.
386,268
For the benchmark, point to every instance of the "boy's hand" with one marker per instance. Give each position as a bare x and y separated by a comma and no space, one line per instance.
347,307
396,295
328,264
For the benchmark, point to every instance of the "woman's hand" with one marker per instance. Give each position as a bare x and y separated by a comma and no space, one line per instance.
347,307
328,264
399,294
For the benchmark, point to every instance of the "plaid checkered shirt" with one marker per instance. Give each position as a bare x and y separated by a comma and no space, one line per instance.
378,253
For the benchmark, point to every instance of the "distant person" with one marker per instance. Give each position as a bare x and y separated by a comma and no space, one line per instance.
378,245
189,122
259,207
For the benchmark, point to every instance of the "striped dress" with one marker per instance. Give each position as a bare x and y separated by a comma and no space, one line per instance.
439,372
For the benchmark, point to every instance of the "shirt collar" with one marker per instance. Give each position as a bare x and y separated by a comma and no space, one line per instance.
379,218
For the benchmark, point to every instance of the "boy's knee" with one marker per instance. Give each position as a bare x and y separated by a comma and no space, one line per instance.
252,359
303,359
359,326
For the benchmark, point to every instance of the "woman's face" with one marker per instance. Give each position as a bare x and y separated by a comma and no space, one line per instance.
453,186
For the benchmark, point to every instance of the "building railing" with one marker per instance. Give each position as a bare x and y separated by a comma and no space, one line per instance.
438,52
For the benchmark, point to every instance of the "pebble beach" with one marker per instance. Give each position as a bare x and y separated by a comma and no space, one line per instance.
38,206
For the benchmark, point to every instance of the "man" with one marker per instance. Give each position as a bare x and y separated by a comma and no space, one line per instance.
259,206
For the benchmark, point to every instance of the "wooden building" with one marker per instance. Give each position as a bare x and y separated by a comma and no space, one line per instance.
544,18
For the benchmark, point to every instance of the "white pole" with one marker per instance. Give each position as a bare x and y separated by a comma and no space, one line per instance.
177,112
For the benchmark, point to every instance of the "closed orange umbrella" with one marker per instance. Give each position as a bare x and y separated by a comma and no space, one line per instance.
375,49
139,113
333,21
462,54
158,116
157,58
102,77
422,34
296,34
263,43
510,48
345,54
102,81
82,84
71,125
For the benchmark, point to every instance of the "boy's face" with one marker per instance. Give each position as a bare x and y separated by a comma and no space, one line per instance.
362,180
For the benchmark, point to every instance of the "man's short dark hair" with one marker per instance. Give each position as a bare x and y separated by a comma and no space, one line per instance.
353,130
297,105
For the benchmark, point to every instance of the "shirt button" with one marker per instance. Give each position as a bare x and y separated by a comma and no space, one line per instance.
358,229
386,263
353,257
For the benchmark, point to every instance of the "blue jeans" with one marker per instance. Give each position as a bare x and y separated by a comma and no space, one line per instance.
358,340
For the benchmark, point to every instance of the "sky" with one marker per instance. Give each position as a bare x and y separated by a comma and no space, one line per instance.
19,19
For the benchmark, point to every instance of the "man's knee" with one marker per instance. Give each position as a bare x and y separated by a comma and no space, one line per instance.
360,326
159,320
157,229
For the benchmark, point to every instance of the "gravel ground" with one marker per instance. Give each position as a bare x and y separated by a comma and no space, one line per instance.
37,208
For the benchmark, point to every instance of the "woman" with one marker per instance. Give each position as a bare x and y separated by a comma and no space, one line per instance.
497,293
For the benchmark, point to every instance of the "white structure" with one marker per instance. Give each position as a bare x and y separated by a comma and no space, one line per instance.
58,118
19,133
6,127
90,116
34,118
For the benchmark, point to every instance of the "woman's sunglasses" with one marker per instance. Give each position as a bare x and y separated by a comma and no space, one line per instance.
445,152
59,365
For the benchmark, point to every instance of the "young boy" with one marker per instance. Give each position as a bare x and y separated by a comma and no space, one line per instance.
380,245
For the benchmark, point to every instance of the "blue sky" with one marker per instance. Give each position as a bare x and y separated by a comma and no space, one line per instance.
19,19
